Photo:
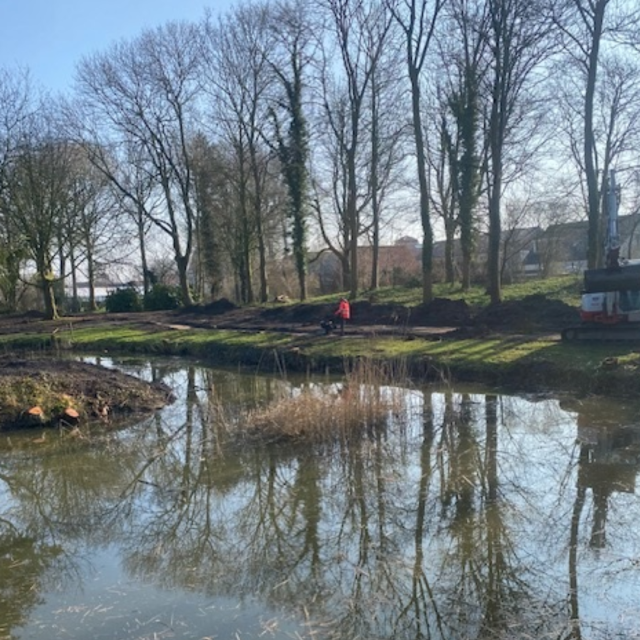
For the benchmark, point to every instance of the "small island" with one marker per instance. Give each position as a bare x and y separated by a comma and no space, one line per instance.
54,391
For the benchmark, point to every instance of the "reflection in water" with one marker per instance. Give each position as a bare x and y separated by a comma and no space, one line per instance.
457,519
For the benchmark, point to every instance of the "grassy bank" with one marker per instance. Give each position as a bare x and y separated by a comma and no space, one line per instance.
513,362
523,361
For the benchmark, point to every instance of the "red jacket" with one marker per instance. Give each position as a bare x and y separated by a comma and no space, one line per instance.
343,310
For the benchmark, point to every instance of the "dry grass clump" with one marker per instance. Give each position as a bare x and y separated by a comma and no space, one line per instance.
362,402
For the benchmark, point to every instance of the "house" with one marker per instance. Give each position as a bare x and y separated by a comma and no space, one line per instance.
564,246
533,251
519,253
525,252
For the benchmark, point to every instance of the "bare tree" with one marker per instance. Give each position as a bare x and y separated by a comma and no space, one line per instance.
211,199
125,166
145,91
387,138
292,53
331,180
417,20
465,158
516,33
16,96
586,28
39,187
442,160
616,128
360,32
240,81
101,234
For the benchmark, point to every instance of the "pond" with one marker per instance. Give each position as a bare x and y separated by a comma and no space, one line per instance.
467,514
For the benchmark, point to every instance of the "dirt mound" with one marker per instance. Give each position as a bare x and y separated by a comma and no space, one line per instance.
442,312
362,313
366,313
298,313
215,308
535,312
92,389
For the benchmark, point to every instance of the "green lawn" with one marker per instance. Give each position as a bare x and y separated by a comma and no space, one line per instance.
564,288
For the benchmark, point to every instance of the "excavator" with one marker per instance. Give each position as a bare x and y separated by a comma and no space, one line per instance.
610,308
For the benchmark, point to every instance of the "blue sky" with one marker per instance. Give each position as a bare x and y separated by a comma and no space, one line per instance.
50,36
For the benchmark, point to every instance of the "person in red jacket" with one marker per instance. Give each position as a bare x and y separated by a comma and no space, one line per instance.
343,313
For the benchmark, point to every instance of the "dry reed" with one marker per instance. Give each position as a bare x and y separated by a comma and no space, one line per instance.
363,401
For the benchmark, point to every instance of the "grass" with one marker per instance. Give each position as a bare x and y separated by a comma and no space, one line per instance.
530,363
565,288
515,361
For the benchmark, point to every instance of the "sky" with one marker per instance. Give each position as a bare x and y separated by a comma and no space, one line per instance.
50,36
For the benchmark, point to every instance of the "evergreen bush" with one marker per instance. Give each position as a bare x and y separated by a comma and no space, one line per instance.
121,300
162,297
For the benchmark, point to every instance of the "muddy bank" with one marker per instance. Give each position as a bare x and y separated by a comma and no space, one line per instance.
44,391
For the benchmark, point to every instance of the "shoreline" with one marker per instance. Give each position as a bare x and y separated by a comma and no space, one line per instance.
518,363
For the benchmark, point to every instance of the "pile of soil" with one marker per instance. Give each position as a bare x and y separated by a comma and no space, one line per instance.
93,390
442,312
533,313
302,313
217,307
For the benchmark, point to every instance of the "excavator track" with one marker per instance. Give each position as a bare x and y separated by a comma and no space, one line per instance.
602,333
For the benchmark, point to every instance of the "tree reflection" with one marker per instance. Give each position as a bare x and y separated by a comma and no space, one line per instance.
422,528
501,584
24,564
50,501
608,462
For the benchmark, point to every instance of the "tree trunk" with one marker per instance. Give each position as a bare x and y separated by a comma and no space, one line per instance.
495,231
375,254
91,276
346,270
248,275
262,250
352,215
449,267
75,298
594,247
375,199
143,257
182,263
48,293
427,232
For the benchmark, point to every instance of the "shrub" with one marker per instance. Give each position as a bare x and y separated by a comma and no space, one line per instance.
162,297
121,300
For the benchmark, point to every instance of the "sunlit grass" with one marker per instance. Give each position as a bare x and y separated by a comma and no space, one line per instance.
564,288
248,346
180,341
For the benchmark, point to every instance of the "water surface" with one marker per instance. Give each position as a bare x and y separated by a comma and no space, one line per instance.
467,514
